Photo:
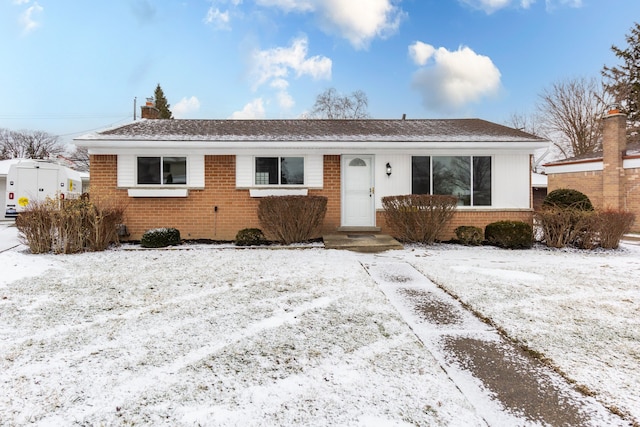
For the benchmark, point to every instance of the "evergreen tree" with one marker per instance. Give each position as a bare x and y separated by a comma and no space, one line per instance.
162,104
623,82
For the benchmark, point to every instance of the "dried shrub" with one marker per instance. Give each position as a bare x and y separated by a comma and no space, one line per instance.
291,219
566,227
160,238
102,224
250,237
35,224
612,225
469,235
69,226
418,218
509,234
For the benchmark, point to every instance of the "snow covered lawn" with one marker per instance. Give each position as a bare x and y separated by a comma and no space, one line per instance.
213,336
580,309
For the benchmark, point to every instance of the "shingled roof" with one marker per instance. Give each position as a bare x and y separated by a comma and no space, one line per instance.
315,130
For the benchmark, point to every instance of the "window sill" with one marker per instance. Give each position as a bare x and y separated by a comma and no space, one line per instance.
158,192
266,192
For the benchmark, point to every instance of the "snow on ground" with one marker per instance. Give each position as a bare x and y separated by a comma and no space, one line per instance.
580,309
218,336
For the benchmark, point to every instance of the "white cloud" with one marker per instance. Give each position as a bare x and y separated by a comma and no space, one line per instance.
455,79
19,2
490,6
277,63
421,52
218,19
253,110
290,5
358,21
285,100
554,4
28,19
185,107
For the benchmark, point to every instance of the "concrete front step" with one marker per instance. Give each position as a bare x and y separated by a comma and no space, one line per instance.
361,242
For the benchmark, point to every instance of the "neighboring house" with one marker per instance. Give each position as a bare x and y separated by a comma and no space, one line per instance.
611,177
206,177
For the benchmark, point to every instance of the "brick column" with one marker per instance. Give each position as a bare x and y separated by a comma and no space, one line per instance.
614,141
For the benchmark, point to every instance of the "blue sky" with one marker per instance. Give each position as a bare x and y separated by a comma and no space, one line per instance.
68,67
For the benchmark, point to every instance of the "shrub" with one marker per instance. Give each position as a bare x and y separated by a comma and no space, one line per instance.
418,218
292,219
565,198
160,238
469,235
612,225
565,226
250,237
69,226
35,224
509,234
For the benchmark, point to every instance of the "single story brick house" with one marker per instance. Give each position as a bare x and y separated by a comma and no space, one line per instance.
206,177
611,177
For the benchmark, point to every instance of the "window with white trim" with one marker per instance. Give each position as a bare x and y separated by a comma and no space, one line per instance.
161,170
466,177
279,171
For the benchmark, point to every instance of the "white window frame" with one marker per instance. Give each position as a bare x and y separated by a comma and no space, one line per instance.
162,184
279,173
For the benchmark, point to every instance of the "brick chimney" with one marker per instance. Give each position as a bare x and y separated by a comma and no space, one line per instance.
614,142
149,110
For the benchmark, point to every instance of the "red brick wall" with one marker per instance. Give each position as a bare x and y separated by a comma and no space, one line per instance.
477,218
589,183
195,216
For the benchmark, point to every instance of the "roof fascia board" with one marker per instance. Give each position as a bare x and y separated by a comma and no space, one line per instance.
240,147
575,167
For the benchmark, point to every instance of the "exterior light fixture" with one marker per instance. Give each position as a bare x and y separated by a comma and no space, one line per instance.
388,169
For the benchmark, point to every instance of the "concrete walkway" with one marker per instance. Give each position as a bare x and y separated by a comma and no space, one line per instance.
506,385
361,242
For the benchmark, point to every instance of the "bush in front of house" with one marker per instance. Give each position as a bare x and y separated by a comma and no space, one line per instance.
291,219
250,237
160,238
509,234
70,225
565,198
469,235
418,218
567,218
612,225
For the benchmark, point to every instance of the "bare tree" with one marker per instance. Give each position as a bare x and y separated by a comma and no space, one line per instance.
29,145
572,109
332,105
526,123
80,157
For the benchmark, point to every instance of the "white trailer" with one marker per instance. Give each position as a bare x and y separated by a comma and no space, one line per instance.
32,181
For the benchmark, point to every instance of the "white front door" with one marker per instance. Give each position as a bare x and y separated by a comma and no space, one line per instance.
358,200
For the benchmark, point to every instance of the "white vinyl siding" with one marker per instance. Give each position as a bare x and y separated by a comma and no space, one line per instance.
126,170
511,181
244,171
314,171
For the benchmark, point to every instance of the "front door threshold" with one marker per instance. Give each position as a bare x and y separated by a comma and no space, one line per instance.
358,229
